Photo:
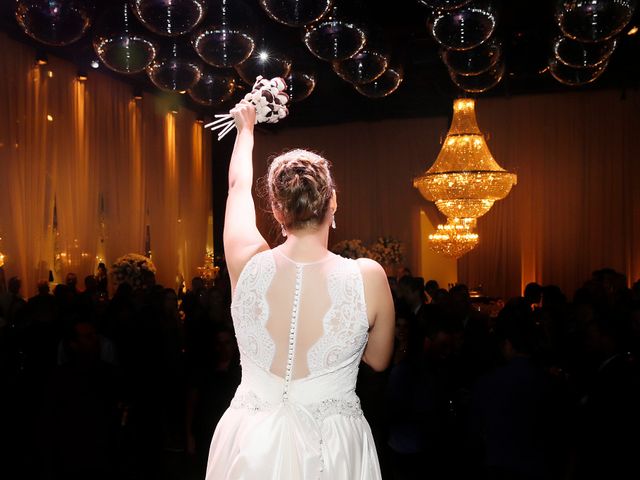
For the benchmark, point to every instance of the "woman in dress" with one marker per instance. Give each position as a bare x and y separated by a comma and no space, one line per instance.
304,318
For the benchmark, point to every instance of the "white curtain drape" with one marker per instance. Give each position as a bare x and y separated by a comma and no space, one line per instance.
112,166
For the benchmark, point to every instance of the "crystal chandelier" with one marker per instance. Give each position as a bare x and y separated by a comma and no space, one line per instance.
455,238
465,180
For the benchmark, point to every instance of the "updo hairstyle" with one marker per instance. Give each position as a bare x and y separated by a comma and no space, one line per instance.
300,187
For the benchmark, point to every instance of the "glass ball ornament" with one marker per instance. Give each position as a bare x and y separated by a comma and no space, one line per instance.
593,20
464,28
121,43
473,61
300,85
54,22
580,54
364,67
481,82
575,77
296,13
384,85
445,4
214,88
170,17
267,64
223,46
174,69
334,37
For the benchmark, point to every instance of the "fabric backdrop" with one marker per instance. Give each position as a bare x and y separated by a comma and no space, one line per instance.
576,207
96,178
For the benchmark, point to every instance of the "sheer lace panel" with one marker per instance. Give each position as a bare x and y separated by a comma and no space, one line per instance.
331,324
296,319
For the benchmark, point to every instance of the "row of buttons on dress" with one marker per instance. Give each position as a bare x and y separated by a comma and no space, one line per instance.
292,332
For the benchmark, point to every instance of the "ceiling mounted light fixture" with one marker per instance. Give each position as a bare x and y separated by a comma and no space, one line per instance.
465,180
455,238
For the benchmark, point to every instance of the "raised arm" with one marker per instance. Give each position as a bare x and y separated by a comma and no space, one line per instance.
242,239
381,312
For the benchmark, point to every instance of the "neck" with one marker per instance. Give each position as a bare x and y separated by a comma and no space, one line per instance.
306,245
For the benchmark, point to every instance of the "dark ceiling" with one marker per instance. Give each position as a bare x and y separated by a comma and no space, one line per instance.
526,29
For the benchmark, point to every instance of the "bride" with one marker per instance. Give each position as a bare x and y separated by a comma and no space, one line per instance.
304,318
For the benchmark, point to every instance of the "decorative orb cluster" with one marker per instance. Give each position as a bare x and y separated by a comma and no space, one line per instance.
589,30
183,44
469,49
331,34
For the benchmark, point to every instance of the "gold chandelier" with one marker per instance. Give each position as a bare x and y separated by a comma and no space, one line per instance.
455,238
465,180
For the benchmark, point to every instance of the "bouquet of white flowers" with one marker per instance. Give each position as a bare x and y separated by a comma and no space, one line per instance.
131,268
387,251
351,249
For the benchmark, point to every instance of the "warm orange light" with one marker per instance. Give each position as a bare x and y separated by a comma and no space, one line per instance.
633,30
50,118
49,74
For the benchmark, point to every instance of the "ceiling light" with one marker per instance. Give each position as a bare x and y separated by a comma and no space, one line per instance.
95,64
465,180
633,30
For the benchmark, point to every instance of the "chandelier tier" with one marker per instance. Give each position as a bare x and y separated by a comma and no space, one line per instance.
455,238
465,180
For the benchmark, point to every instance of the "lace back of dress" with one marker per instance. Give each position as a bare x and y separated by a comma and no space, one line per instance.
299,301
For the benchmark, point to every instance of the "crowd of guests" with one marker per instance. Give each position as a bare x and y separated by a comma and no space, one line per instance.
131,386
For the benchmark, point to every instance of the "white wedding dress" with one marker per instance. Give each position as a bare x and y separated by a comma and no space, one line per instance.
301,330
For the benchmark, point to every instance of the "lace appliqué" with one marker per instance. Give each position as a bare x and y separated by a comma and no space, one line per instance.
250,401
319,410
335,406
345,324
250,310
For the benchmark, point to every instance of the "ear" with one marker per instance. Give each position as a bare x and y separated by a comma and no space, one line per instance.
333,204
278,216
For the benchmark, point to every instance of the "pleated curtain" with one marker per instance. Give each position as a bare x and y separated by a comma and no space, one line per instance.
87,174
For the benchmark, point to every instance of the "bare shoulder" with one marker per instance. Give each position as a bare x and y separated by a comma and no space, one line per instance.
372,271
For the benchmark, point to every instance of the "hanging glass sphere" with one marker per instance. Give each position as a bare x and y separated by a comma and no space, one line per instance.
481,82
474,61
121,43
300,85
580,54
445,4
223,47
364,67
54,22
465,28
575,77
213,88
334,38
267,64
296,13
170,17
384,85
174,69
593,20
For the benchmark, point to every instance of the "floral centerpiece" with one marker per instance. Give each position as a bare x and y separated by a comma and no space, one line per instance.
387,251
351,249
131,269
